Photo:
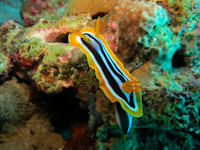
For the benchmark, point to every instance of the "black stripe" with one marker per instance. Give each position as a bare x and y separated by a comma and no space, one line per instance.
106,72
120,76
123,118
111,66
131,100
116,66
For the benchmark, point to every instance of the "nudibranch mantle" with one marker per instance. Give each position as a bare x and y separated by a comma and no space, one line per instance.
116,82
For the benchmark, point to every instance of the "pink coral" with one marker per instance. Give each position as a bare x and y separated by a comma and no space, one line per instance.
33,10
28,21
22,61
112,36
35,6
64,59
4,26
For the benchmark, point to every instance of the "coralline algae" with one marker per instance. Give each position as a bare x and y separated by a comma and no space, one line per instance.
33,10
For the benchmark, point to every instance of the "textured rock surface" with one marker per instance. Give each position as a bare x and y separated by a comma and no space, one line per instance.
144,33
158,42
33,10
89,6
35,134
170,77
15,106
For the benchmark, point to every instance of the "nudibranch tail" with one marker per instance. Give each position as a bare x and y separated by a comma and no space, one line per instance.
116,82
123,118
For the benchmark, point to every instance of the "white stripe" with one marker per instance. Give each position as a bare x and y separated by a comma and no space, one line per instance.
113,75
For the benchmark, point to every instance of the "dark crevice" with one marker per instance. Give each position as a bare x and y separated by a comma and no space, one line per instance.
62,108
62,38
101,14
13,74
178,59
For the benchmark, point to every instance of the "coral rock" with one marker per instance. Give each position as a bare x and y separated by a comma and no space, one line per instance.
90,6
144,34
15,106
33,10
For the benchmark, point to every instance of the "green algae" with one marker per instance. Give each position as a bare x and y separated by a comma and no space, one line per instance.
4,61
88,78
41,24
72,22
31,47
11,36
108,131
51,74
53,52
55,61
46,81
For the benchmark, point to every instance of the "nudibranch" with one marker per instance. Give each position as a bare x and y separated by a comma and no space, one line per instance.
115,81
